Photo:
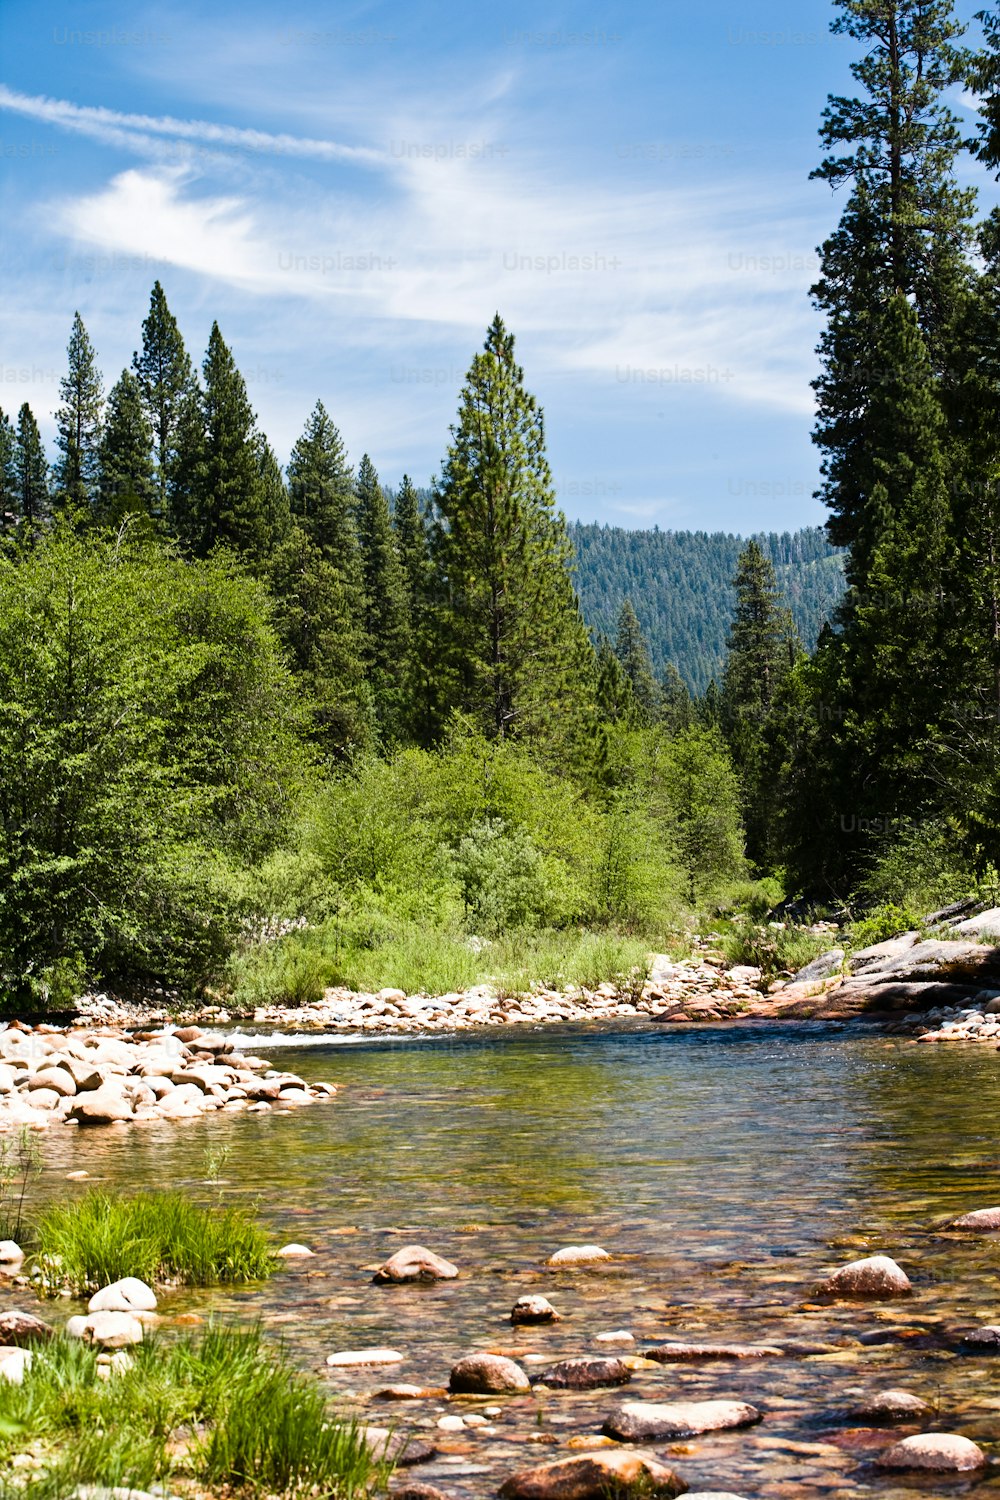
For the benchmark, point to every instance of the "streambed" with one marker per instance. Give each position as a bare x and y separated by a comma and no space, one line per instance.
725,1168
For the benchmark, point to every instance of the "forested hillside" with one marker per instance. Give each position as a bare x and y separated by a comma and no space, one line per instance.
680,585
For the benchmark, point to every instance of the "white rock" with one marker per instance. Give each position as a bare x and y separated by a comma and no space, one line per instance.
13,1364
111,1330
350,1358
295,1252
10,1251
130,1295
578,1255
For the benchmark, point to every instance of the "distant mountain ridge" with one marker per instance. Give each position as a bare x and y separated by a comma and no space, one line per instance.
680,584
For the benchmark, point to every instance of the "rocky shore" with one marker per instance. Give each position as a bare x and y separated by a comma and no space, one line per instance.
83,1076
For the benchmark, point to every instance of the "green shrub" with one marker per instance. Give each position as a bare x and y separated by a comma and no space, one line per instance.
159,1237
779,951
503,878
880,924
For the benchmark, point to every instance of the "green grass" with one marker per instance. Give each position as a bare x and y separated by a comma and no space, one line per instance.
778,951
218,1409
159,1237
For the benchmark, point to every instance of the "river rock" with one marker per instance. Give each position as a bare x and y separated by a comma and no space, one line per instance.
823,967
351,1358
594,1476
414,1263
411,1393
417,1492
983,1340
578,1255
104,1106
876,1276
10,1253
980,1221
56,1079
890,1406
130,1295
533,1310
939,1452
584,1374
711,1495
669,1354
111,1330
13,1364
649,1421
295,1252
397,1447
487,1375
21,1328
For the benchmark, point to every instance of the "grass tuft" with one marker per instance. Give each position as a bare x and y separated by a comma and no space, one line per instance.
159,1237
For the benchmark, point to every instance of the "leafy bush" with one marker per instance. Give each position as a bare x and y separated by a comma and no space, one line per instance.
779,951
159,1237
923,868
881,923
503,877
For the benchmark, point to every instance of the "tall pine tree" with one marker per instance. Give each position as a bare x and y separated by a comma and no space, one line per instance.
163,370
125,458
512,643
386,616
31,475
8,481
633,653
78,423
321,498
413,544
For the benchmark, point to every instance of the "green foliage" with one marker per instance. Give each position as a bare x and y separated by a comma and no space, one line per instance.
503,878
881,923
679,584
149,744
386,622
166,380
218,1409
125,458
159,1237
78,422
20,1164
775,948
633,654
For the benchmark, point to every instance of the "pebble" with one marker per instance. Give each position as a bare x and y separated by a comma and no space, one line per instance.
939,1452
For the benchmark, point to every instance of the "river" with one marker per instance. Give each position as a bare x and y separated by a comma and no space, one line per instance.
726,1170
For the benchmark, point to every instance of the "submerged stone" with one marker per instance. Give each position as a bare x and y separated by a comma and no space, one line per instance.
414,1263
668,1354
487,1374
890,1406
350,1358
584,1374
595,1476
875,1276
644,1421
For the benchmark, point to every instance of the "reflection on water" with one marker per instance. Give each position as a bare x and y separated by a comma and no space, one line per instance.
725,1169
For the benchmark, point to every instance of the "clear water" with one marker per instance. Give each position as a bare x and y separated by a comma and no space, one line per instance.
726,1169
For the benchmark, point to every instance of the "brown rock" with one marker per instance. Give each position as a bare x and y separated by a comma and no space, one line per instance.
885,1407
21,1329
414,1263
533,1310
411,1393
486,1375
188,1033
983,1340
104,1106
876,1276
595,1476
645,1421
981,1221
670,1354
398,1447
584,1374
938,1452
417,1492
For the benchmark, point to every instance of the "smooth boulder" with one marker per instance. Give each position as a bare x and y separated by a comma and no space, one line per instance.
11,1253
104,1106
528,1310
578,1255
109,1330
487,1375
414,1263
651,1421
595,1476
13,1364
936,1452
980,1221
584,1374
129,1295
875,1276
21,1328
890,1406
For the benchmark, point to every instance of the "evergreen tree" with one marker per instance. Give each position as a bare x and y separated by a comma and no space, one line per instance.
413,545
762,650
677,710
165,378
274,505
8,474
321,492
31,474
513,644
385,646
633,653
228,488
125,478
614,695
79,425
316,623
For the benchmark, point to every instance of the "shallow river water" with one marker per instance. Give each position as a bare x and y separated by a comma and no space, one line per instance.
726,1169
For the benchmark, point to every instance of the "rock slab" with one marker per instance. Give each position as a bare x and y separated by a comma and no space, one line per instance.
595,1476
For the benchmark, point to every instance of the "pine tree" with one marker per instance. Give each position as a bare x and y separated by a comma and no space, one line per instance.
316,623
321,497
274,506
514,649
79,425
125,478
8,480
31,474
614,696
677,710
633,653
413,545
232,498
385,647
165,378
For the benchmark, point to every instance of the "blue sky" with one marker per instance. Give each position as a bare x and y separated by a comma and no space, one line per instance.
353,190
